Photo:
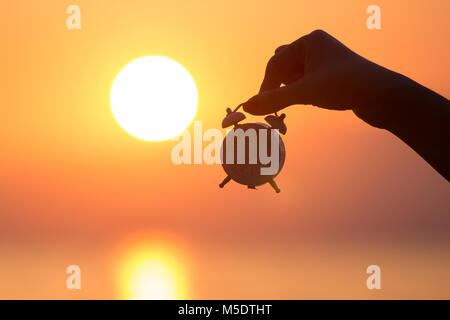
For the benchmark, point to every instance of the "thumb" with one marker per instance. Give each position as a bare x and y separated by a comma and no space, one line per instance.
271,101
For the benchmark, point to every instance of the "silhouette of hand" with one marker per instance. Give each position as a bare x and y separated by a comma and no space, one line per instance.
317,69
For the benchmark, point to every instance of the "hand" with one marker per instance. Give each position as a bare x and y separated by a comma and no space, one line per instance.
319,70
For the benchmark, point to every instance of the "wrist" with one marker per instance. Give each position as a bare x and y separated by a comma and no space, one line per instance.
383,96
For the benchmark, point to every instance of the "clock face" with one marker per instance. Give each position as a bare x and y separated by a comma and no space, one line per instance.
247,156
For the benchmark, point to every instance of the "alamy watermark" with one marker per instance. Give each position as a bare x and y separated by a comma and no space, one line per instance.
374,20
74,280
242,146
73,21
374,280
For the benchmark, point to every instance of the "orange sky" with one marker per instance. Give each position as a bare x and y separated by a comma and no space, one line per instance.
75,184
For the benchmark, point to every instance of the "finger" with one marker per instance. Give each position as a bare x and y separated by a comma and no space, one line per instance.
269,101
272,79
300,92
290,75
277,50
286,66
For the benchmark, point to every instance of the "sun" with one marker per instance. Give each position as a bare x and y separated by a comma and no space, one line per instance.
154,98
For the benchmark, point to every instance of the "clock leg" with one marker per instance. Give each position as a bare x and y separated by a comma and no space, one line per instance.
225,181
274,185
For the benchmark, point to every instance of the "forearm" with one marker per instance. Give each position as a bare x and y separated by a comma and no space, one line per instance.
419,117
422,120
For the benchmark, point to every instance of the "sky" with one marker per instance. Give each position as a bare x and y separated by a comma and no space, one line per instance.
77,189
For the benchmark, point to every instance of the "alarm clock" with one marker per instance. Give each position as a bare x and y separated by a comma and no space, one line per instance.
251,170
